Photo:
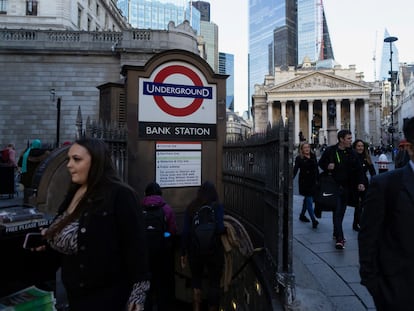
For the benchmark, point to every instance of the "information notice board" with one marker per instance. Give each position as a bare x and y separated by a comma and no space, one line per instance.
178,164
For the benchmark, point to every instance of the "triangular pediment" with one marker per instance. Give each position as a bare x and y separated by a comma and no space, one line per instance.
318,81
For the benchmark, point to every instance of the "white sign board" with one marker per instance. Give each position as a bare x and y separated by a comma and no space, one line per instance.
178,164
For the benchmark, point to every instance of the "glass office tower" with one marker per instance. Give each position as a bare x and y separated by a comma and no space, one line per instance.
385,66
152,14
272,38
226,67
282,33
313,35
209,31
204,8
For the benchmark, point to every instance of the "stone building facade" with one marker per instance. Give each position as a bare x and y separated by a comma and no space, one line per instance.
87,15
72,64
320,102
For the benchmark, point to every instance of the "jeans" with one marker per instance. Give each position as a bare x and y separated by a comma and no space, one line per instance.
308,206
339,213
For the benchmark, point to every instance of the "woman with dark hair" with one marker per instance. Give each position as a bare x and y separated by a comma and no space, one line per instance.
213,257
99,234
367,166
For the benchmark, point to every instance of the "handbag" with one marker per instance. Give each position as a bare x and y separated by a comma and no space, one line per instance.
327,191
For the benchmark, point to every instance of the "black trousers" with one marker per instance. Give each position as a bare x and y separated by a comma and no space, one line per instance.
162,289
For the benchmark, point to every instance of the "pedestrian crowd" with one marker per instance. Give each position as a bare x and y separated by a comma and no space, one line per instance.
383,209
117,251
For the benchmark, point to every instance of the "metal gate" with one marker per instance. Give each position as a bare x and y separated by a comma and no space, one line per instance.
257,179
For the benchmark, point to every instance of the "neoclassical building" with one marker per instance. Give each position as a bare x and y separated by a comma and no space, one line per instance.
321,101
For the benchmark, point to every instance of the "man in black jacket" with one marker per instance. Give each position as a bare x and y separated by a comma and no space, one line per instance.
342,162
386,253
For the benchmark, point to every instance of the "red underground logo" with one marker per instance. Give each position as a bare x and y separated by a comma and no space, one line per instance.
159,89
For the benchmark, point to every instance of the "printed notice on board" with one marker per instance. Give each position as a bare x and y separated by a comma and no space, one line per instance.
178,168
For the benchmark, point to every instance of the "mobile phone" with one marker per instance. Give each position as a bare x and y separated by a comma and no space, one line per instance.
33,240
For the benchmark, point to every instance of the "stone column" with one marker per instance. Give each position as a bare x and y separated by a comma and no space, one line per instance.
310,117
324,119
270,112
366,120
352,117
297,115
338,115
283,111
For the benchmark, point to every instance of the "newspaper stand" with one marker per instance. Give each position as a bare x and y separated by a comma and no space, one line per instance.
21,267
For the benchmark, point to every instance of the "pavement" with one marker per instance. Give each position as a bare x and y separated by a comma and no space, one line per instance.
326,278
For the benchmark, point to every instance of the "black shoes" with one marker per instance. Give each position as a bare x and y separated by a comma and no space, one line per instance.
303,218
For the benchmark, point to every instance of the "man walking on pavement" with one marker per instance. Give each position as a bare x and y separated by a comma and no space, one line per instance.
342,162
385,239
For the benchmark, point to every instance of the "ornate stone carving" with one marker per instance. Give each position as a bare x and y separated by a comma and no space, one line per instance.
318,82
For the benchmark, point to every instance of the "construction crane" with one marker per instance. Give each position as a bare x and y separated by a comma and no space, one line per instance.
374,57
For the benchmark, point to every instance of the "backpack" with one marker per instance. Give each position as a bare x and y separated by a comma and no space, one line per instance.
204,226
5,156
155,224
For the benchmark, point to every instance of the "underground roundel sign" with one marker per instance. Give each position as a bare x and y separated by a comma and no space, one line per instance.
176,92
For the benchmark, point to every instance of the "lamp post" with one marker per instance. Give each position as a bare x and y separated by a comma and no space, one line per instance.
391,128
58,102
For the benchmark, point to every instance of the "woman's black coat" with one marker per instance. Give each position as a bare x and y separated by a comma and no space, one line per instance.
308,174
111,242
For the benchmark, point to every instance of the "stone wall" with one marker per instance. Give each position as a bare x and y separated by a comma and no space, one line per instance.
73,64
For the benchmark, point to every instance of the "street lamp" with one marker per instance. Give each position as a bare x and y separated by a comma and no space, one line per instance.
52,97
391,129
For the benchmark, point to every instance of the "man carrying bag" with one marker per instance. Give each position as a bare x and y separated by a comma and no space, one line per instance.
342,163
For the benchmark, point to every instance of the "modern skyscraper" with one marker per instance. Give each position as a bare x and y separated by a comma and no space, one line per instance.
385,59
226,67
209,31
156,14
204,8
313,35
272,38
282,33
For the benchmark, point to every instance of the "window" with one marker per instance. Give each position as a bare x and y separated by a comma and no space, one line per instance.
89,24
97,9
31,7
79,18
3,6
106,22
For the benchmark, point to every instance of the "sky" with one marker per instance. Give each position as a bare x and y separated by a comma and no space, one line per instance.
356,28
